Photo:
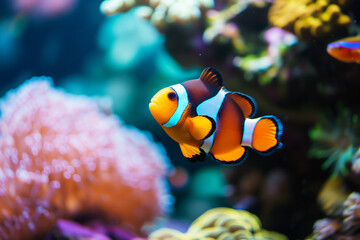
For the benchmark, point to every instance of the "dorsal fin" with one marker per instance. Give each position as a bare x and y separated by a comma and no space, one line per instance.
212,76
245,102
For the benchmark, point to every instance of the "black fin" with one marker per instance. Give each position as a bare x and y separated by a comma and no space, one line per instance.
198,157
212,76
213,124
245,102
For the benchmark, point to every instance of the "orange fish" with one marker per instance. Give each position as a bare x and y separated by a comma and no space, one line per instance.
204,117
346,50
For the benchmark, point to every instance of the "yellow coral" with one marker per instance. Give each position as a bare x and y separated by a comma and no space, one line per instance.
308,18
221,223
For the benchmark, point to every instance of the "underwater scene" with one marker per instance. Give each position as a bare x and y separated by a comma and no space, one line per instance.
179,119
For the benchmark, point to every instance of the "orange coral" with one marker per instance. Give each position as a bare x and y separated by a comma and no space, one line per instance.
61,157
308,18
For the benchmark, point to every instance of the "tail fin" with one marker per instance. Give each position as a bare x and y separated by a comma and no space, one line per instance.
262,134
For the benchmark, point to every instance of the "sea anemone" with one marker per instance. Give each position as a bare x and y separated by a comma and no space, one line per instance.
335,138
61,157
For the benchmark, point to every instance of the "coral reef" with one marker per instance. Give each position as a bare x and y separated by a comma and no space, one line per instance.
160,12
221,27
335,138
332,196
127,50
346,225
308,18
61,157
268,62
352,211
356,162
221,223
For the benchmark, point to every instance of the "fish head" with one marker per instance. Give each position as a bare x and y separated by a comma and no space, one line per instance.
337,51
163,105
334,47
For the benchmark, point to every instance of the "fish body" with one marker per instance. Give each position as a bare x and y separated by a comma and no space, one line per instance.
204,117
346,50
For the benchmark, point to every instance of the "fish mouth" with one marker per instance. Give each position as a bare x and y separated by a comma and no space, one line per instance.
155,110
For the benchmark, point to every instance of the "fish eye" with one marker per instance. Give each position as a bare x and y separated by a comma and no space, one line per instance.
172,95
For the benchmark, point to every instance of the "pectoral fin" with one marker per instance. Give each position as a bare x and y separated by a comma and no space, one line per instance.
202,127
192,153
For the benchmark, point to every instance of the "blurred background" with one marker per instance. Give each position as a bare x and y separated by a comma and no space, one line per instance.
121,52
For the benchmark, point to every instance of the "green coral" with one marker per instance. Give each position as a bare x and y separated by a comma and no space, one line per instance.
221,223
336,140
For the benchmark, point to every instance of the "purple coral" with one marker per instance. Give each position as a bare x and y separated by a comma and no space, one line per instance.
352,211
61,157
325,228
44,7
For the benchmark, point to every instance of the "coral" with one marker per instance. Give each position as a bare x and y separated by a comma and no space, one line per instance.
269,62
352,211
219,24
324,228
61,157
344,226
332,196
335,138
308,18
356,162
159,12
164,12
44,7
221,223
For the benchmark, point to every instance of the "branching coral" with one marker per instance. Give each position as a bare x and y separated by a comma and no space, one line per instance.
159,12
61,157
336,139
308,18
352,211
221,27
164,12
221,223
343,227
325,228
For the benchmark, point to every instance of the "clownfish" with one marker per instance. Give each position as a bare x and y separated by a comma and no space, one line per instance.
205,118
346,50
